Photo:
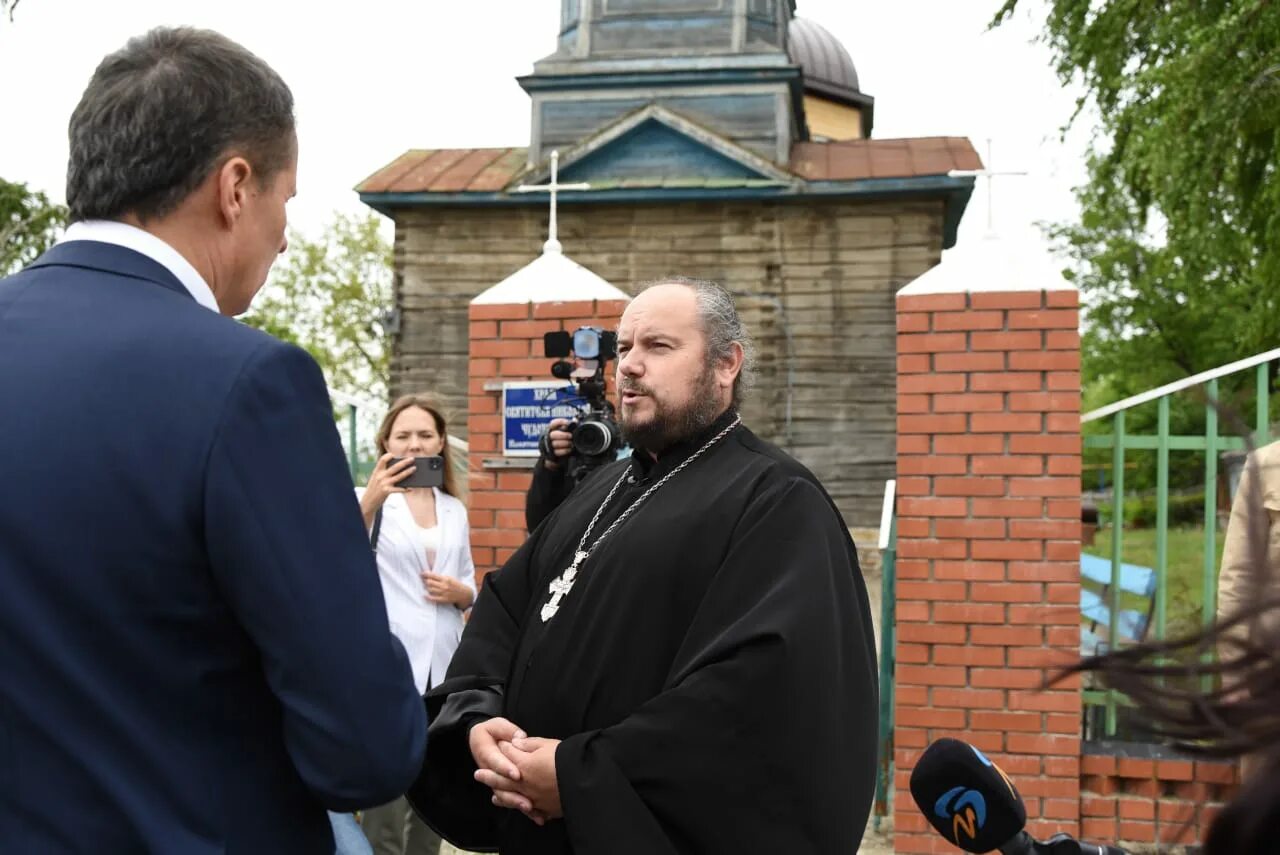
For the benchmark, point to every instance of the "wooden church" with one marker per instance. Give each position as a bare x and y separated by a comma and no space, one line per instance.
721,139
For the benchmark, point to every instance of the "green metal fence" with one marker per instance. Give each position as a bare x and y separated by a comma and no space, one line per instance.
1119,440
360,458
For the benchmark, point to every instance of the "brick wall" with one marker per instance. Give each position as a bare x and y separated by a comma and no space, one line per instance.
1143,800
988,570
506,344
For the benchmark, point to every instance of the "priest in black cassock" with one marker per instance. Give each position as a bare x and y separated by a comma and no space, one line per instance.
680,658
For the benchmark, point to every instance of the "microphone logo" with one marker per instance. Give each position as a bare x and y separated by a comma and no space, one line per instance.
967,810
1013,792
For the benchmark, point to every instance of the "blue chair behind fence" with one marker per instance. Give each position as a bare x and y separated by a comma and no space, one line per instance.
1095,604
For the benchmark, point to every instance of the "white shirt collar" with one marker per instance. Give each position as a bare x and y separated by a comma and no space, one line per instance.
134,238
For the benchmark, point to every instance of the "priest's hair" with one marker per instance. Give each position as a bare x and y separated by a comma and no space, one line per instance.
722,325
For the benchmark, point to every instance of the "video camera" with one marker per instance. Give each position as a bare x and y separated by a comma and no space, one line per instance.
596,437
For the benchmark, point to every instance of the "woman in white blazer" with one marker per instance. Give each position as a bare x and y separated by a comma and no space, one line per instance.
423,546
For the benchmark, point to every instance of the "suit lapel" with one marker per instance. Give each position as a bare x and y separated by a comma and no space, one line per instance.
110,258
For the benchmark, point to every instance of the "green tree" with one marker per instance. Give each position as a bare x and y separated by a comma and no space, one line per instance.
1177,250
29,224
330,296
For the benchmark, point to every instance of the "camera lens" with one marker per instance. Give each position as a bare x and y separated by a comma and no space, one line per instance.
592,437
586,343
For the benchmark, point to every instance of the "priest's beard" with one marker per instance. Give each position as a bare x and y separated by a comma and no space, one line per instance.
669,424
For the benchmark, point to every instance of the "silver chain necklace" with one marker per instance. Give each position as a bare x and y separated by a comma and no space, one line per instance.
562,584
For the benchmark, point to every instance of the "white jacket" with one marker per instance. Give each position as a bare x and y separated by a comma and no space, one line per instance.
428,631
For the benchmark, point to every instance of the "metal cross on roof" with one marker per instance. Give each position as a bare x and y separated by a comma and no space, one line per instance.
552,244
989,174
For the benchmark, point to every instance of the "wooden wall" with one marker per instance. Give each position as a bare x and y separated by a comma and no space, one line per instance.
816,281
749,118
828,120
630,40
628,27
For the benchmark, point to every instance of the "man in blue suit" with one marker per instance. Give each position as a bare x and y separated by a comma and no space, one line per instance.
194,650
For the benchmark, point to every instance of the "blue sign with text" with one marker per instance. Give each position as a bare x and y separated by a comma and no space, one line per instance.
528,407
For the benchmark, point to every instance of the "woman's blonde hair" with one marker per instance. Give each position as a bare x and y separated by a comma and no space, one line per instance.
453,484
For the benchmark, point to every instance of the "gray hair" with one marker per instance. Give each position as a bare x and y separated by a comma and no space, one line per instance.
159,113
722,326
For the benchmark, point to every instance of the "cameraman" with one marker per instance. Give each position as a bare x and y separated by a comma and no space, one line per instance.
551,484
571,449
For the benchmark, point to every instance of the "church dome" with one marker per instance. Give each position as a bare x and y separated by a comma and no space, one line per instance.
825,61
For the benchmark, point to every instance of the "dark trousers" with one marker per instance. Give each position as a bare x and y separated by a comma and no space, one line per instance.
394,829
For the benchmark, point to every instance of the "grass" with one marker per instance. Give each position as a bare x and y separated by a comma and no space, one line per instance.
1186,568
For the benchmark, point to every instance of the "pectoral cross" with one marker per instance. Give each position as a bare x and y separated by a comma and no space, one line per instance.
561,585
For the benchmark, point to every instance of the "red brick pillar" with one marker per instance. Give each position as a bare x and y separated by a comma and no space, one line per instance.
989,543
506,344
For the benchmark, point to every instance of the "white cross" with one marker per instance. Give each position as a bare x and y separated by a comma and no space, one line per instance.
552,244
989,174
559,589
561,586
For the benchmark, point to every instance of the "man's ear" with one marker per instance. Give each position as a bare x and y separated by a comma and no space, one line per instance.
730,365
233,179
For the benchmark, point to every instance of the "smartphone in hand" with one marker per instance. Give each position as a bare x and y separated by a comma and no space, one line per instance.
428,472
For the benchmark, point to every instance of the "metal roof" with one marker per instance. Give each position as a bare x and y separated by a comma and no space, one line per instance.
491,170
448,170
821,55
852,160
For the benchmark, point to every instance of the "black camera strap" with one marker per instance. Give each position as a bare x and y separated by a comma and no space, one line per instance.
373,532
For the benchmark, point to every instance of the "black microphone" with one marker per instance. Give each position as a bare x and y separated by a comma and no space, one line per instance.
972,803
966,797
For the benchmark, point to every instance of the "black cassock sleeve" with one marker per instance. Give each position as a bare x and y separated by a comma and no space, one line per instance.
445,794
547,491
764,739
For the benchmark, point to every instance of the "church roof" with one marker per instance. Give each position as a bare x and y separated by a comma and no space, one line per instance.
852,160
491,170
448,170
820,55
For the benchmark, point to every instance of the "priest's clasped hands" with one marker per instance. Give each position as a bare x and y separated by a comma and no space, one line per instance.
520,769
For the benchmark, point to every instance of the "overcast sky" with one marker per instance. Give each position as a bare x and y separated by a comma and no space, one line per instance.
375,78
